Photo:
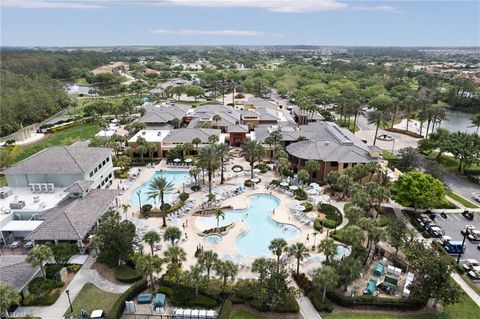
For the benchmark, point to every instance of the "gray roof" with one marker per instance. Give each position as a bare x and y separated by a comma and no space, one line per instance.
16,271
61,160
229,115
311,116
329,142
237,129
183,135
80,186
74,220
164,114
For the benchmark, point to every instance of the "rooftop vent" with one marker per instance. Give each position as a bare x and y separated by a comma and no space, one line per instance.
327,143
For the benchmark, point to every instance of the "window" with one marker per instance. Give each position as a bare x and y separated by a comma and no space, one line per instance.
104,162
108,159
334,164
91,174
345,165
95,170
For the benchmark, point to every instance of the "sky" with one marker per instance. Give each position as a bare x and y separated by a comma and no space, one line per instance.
67,23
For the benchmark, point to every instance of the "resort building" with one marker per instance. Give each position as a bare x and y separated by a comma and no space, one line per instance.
204,115
163,116
61,166
17,272
303,117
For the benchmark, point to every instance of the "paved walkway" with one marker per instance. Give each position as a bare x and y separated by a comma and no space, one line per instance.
306,308
83,276
468,290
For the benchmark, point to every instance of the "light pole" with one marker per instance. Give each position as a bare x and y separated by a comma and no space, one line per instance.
69,301
463,243
393,146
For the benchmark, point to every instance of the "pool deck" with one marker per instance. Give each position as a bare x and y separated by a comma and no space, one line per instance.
227,245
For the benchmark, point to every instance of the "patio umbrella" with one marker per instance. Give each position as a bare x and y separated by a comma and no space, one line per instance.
325,199
284,184
312,215
237,169
312,192
300,207
314,185
256,170
255,180
296,202
177,160
293,188
188,160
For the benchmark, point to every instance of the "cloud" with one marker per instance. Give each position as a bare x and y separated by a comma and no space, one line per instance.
385,8
45,4
231,33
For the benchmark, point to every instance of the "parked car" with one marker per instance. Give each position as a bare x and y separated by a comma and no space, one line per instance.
28,244
454,247
470,263
474,235
436,232
444,216
15,244
468,215
476,196
467,229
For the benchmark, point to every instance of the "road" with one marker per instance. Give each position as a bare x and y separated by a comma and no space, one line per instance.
461,185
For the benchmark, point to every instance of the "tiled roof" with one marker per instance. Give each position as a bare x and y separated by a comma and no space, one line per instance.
183,135
16,271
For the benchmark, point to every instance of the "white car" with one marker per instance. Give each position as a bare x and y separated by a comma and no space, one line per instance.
28,244
476,196
15,244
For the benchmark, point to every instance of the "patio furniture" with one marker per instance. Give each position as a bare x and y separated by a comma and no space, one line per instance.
159,301
144,298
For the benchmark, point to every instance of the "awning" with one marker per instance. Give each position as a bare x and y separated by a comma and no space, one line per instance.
22,225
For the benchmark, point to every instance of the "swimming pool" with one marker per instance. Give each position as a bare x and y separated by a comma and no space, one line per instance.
177,178
213,239
262,229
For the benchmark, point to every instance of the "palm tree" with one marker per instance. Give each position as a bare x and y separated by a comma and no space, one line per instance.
475,119
325,277
194,276
355,107
151,238
196,141
354,213
212,139
349,269
328,248
125,208
148,265
300,252
9,296
344,182
151,148
218,213
194,172
283,164
141,150
278,246
159,187
260,266
222,150
378,118
253,151
175,255
303,176
187,148
216,118
38,256
208,259
226,269
210,161
172,234
312,166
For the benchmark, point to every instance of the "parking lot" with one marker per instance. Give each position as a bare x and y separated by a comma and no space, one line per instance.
452,227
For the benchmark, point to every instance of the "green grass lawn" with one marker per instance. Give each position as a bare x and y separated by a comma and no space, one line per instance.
65,137
388,155
240,314
461,200
450,163
91,298
466,309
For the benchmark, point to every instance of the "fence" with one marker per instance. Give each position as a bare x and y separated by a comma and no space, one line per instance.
160,316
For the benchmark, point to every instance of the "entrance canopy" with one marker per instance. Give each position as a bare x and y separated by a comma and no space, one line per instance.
22,225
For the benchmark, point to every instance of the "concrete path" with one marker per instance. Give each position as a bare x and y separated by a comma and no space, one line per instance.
83,276
468,290
306,308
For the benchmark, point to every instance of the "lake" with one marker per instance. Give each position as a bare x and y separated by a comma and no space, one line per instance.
72,88
458,121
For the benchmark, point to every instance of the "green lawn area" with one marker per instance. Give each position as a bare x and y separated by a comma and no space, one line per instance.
450,163
466,309
388,155
461,200
91,298
240,314
65,137
3,181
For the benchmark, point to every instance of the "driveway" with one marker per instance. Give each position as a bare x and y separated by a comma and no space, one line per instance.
461,185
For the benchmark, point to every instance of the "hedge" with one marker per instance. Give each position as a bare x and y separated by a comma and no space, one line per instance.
127,274
129,294
62,127
308,206
167,291
226,310
45,299
385,303
316,299
289,305
317,225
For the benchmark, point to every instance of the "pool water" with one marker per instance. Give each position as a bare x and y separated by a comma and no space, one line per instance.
177,178
342,251
213,239
262,229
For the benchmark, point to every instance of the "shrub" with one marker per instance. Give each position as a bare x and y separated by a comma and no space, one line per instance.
328,223
385,303
316,299
331,213
195,188
44,299
62,253
383,221
300,194
39,285
127,274
183,196
287,305
182,297
167,291
129,294
308,206
52,270
317,225
74,267
145,210
226,310
248,183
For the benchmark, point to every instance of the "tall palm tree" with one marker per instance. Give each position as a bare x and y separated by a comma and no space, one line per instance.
278,246
159,187
196,141
260,266
151,238
9,296
253,151
210,161
216,118
175,256
349,269
212,139
328,248
172,234
194,276
222,150
125,208
377,118
148,265
218,213
283,165
300,252
194,172
312,166
39,255
226,269
475,119
208,259
344,182
141,150
325,277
